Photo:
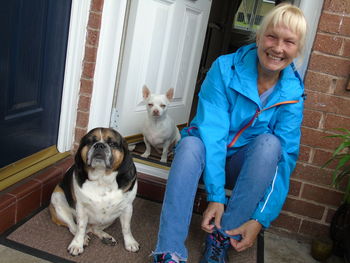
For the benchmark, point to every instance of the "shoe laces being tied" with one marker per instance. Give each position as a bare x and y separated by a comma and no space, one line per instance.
217,246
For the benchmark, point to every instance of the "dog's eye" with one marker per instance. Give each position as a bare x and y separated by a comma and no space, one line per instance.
150,104
163,106
113,144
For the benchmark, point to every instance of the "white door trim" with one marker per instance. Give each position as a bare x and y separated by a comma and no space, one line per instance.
312,10
73,69
108,53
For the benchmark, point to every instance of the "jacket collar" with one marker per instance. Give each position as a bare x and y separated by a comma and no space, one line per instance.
245,78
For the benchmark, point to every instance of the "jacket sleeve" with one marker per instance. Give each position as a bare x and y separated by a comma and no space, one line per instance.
287,129
212,122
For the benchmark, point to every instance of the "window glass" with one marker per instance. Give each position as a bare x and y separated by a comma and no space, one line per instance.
250,14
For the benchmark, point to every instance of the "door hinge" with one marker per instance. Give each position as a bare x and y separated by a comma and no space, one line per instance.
115,118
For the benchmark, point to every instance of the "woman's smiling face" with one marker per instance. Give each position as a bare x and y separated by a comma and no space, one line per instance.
277,48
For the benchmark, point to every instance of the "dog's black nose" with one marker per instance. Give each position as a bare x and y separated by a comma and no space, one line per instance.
99,146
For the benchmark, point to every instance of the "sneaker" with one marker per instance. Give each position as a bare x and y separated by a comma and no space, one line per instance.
216,246
165,258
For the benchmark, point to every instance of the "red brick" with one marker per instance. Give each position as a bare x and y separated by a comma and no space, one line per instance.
314,229
92,37
312,174
86,86
79,133
90,54
330,23
7,212
341,87
82,119
288,222
304,208
88,70
322,195
346,49
336,66
25,189
330,214
94,20
312,118
328,44
327,103
321,157
6,200
29,203
294,188
304,153
334,121
337,6
317,138
318,81
84,103
345,26
47,174
97,5
65,164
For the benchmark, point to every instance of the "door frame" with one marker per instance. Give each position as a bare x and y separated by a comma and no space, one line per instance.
72,75
109,56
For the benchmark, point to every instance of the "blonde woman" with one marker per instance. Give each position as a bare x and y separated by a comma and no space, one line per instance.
245,136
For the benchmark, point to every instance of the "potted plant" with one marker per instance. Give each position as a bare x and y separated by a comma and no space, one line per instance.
340,225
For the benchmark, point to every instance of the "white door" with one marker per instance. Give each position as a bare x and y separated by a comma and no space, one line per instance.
163,47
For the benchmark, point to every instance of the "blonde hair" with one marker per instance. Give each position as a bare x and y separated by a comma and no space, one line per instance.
289,16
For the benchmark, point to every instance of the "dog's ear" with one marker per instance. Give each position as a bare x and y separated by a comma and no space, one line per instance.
169,94
145,92
80,164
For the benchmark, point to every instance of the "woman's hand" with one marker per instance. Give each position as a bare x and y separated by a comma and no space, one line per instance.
249,231
213,211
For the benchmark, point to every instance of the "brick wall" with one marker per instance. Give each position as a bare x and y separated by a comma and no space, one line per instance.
89,62
311,202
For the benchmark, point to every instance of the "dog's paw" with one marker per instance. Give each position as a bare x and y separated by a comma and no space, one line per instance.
75,249
132,246
109,241
131,147
86,240
163,160
145,155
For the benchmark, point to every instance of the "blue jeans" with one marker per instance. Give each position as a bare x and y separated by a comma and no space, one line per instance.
249,172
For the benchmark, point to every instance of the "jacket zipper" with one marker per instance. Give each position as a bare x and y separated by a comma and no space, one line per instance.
238,134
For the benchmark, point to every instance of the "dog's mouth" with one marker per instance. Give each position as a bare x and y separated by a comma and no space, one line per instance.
99,156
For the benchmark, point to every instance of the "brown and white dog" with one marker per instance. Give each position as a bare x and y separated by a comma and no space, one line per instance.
96,190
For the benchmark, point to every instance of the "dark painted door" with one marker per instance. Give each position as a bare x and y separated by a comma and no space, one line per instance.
32,60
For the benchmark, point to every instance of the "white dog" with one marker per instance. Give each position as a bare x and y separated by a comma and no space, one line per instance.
159,129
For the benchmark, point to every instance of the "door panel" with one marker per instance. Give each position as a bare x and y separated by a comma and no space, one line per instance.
32,60
163,46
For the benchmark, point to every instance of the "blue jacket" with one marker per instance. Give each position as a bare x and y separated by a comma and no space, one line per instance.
230,115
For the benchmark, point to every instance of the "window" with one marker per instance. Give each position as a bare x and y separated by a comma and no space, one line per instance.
250,14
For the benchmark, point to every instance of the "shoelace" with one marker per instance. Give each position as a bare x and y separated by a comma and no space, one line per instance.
165,258
217,249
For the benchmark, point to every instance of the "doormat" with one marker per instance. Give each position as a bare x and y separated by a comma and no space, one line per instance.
40,237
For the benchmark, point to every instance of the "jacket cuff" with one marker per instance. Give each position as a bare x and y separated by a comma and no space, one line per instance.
262,220
216,198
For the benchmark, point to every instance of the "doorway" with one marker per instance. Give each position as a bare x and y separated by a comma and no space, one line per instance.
231,24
